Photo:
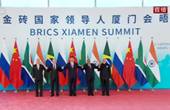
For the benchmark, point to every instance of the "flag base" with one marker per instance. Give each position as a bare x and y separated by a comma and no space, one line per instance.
84,90
129,90
4,91
16,91
27,90
61,90
141,90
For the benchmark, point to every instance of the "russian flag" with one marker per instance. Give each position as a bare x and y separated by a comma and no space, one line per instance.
61,61
4,67
4,71
117,69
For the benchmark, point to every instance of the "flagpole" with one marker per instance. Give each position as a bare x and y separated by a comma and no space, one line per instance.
95,3
48,3
0,3
142,3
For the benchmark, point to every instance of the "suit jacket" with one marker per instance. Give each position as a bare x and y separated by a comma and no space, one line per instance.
72,71
54,72
89,71
38,72
105,71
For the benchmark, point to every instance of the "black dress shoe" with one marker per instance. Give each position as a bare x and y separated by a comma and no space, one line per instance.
103,94
107,94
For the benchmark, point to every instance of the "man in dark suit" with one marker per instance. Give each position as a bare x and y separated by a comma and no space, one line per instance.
53,71
89,70
72,68
38,74
105,75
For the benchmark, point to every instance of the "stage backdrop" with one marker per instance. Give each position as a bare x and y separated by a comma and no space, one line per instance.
63,25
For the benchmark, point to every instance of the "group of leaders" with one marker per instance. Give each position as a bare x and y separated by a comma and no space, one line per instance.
71,66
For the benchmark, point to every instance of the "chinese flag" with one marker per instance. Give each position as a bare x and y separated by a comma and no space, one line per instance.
129,67
73,54
15,68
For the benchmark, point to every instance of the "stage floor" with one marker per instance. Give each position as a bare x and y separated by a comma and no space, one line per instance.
123,100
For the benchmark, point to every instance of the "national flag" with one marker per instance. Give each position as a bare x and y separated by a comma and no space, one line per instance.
27,68
50,57
82,61
107,56
106,53
72,54
31,60
117,69
95,59
61,61
15,68
129,67
152,70
4,67
39,56
140,67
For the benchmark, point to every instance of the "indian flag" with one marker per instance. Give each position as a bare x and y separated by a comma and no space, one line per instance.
39,55
153,72
95,59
